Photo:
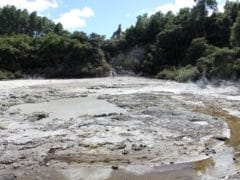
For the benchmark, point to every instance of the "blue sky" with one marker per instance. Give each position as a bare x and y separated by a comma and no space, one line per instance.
100,16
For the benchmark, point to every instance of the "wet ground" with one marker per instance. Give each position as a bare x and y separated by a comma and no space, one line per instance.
119,128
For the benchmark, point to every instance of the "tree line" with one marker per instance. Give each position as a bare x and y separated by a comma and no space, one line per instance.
195,42
16,21
31,45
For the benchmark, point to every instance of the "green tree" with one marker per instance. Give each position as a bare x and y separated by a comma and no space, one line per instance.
46,25
231,9
155,26
58,29
202,7
235,33
200,13
33,23
96,39
81,36
137,33
196,50
218,28
118,33
22,22
8,16
171,41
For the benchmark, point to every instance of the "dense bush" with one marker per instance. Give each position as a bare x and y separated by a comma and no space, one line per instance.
181,74
6,75
50,56
198,48
222,63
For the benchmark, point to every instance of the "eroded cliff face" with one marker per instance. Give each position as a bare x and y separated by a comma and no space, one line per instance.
128,62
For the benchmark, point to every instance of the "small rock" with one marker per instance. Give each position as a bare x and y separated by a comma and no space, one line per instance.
138,147
6,161
100,115
84,95
115,167
221,138
38,116
121,145
125,152
51,150
16,166
30,100
12,96
118,146
5,142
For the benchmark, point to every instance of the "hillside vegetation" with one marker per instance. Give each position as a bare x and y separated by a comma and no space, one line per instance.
195,42
34,46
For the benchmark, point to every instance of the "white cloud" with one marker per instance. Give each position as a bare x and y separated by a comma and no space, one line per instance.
75,18
178,4
31,5
175,6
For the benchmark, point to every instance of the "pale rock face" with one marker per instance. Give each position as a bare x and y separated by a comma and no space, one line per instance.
123,62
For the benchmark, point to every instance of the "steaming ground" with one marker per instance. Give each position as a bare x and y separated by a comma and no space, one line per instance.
68,129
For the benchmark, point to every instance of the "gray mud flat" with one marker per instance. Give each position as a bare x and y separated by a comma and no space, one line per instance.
71,107
118,128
